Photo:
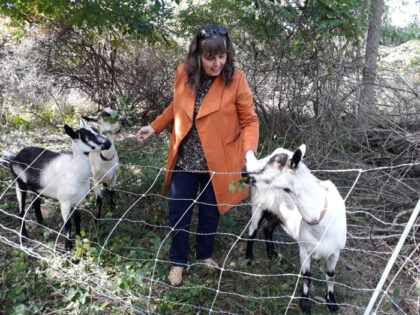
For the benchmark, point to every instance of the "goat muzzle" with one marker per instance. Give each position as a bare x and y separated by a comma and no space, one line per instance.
245,175
248,179
106,145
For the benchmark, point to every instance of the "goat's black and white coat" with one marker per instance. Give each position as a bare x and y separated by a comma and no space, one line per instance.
56,175
311,211
106,164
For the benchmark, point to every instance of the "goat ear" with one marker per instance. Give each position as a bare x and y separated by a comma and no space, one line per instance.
296,158
250,156
90,118
303,149
82,123
69,131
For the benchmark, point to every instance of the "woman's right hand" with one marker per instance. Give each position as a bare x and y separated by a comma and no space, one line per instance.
144,133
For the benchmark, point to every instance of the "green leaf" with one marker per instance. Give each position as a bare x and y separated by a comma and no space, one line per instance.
71,293
396,293
20,309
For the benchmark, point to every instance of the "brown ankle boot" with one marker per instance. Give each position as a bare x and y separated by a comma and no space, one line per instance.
175,275
209,262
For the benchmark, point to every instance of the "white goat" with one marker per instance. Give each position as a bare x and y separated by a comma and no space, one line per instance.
321,230
56,175
106,164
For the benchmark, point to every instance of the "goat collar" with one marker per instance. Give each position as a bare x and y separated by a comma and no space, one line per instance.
316,221
104,158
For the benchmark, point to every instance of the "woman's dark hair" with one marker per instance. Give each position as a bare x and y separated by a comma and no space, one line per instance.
211,40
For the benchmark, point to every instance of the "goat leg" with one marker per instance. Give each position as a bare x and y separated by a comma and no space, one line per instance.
250,248
21,197
112,198
330,298
65,213
76,218
110,192
305,304
330,275
273,221
68,244
305,261
69,239
99,207
98,194
36,205
257,217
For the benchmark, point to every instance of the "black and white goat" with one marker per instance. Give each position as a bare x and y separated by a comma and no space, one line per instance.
106,164
282,185
56,175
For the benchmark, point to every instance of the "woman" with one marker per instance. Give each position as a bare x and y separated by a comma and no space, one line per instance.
214,127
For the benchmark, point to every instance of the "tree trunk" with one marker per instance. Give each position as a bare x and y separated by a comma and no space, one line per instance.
367,97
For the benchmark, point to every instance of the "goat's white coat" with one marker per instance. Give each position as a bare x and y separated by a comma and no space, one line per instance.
59,178
322,240
278,203
309,196
105,171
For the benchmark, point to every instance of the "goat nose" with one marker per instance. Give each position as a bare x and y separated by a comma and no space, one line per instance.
244,172
106,145
245,175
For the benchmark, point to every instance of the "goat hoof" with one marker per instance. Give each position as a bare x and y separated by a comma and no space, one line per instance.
272,254
98,222
305,305
249,260
333,307
40,221
331,302
24,238
68,245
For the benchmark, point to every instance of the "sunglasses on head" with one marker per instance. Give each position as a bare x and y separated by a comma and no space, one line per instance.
212,30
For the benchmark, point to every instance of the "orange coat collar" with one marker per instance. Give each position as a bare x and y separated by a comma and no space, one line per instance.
211,102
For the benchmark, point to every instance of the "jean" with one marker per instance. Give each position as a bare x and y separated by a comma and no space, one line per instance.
184,188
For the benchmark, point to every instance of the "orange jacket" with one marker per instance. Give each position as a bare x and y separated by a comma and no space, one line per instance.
227,125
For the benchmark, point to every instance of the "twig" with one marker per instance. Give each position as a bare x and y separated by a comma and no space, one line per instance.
59,108
405,81
42,118
374,237
399,215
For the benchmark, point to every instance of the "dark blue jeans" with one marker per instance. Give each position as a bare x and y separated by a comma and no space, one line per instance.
184,188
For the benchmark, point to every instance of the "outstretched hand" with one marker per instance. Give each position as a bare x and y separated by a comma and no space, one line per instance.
144,133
